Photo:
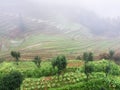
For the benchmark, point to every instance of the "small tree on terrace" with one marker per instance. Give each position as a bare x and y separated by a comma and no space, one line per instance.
54,63
16,55
107,70
108,67
85,57
87,68
90,57
60,62
111,54
37,61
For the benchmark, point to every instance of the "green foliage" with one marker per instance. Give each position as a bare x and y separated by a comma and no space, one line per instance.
37,73
87,56
100,66
51,82
37,61
101,83
11,81
16,55
71,80
90,57
111,53
54,62
88,70
60,62
107,70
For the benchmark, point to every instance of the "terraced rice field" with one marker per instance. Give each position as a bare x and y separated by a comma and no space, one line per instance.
70,39
49,46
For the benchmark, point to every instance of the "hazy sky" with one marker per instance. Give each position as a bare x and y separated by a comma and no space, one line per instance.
105,8
110,8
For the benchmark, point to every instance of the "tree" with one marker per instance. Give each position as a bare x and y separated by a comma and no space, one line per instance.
11,81
107,70
54,63
90,57
37,61
60,62
85,57
111,54
108,67
15,55
87,68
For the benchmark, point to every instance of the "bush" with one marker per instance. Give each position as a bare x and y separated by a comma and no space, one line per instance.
16,55
90,57
88,69
100,66
11,81
111,54
60,62
87,56
37,61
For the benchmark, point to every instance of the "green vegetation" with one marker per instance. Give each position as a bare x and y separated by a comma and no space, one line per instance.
74,77
16,55
60,62
11,81
37,61
87,68
61,74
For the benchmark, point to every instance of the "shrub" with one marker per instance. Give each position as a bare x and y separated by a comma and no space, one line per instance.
11,81
100,66
90,57
60,62
85,56
111,54
16,55
88,69
37,61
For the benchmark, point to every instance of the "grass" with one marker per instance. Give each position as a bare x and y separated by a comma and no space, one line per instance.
48,44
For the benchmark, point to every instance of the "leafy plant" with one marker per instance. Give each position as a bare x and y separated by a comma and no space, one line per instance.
11,81
16,55
60,62
111,54
37,61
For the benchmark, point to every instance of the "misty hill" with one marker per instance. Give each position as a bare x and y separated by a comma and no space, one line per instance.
98,26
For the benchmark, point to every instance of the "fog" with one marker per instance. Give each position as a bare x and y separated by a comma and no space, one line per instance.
104,8
102,17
